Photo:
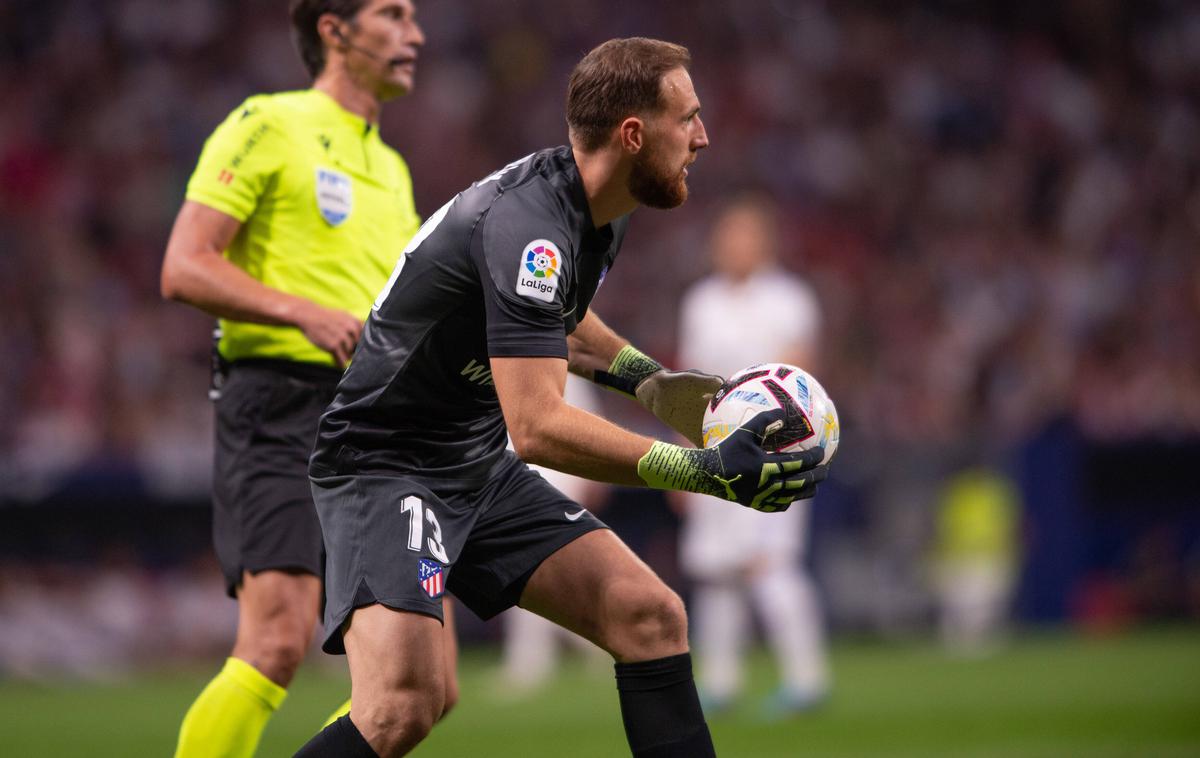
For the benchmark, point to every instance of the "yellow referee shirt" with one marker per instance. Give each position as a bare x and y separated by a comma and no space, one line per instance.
326,208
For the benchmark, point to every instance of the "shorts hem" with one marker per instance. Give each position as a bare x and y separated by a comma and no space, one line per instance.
333,643
254,567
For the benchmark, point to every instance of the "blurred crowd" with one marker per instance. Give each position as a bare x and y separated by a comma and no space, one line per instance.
998,204
100,620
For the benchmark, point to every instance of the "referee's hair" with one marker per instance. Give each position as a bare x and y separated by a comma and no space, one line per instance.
304,27
618,79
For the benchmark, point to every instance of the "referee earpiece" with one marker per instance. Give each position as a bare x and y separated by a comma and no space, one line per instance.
337,31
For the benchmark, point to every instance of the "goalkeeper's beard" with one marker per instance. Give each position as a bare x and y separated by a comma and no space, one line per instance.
654,184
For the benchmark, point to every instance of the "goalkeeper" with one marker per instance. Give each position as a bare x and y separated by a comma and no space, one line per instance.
472,339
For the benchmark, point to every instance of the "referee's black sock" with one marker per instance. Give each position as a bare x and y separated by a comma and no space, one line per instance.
341,739
661,710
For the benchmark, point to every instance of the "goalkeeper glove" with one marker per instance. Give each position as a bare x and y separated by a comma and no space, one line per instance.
677,398
738,468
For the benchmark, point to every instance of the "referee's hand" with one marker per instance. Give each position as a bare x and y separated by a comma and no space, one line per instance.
334,331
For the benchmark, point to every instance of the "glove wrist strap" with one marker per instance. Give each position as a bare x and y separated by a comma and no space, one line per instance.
672,467
629,368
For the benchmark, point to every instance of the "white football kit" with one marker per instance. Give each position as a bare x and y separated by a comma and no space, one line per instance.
732,553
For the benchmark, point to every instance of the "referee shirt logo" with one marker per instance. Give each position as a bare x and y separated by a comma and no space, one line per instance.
335,196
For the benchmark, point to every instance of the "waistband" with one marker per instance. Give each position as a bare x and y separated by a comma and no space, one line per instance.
308,372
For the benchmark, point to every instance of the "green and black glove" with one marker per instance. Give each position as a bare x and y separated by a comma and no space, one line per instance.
677,398
738,468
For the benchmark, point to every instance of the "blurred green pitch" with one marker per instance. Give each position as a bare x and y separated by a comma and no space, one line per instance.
1054,695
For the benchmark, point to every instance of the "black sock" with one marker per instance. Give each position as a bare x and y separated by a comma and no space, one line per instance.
661,710
341,739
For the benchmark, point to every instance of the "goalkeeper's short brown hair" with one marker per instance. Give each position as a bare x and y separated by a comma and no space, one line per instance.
618,79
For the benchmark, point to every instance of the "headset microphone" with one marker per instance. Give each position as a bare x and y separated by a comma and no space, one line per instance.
363,50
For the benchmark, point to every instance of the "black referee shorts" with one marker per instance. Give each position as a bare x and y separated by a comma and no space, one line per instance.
263,516
395,542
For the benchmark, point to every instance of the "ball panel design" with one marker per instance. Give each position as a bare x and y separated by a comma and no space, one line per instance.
811,418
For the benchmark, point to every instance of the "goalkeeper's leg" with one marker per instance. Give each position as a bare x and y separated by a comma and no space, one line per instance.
450,645
596,587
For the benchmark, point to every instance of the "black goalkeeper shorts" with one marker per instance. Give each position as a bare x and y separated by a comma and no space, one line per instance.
263,515
393,541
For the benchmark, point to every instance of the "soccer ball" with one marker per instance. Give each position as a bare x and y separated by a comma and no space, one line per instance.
811,417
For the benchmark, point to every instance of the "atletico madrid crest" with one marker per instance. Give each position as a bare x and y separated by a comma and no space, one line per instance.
432,577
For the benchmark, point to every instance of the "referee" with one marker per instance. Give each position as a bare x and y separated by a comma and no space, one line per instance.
294,217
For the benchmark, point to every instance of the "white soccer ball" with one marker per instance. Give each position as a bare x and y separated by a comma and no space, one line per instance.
811,416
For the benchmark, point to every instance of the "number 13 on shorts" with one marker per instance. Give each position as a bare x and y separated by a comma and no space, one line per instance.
418,514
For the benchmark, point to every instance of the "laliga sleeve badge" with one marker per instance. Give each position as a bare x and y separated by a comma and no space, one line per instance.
335,196
432,577
537,274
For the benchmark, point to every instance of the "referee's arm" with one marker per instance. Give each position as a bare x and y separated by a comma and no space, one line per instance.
196,272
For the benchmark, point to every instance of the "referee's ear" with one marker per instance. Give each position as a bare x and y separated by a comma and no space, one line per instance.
329,30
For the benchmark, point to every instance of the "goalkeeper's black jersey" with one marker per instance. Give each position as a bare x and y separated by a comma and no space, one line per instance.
506,268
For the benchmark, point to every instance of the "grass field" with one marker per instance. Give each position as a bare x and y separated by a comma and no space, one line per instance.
1136,695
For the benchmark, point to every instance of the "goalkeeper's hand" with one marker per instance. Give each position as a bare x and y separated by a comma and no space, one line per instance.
738,468
677,398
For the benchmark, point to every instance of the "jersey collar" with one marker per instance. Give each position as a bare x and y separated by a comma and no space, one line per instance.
352,120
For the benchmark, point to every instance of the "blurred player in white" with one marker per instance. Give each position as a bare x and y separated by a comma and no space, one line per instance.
531,643
750,311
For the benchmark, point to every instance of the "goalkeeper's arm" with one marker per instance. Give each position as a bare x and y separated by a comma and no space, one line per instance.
677,398
547,431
